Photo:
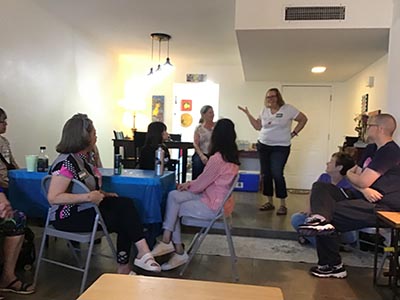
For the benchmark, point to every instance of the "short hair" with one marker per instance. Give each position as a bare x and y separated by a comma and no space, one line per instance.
203,111
223,140
280,102
344,159
75,135
154,134
3,115
387,122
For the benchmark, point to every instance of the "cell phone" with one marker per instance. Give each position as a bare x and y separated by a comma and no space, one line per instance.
344,193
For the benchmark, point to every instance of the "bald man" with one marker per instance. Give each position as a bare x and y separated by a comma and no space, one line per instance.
377,176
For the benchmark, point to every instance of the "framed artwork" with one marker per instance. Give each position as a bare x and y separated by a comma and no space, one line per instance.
186,105
157,108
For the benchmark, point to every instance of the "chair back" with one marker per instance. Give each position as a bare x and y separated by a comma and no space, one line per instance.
76,187
139,139
220,211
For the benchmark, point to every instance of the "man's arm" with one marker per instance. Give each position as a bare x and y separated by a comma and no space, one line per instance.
362,179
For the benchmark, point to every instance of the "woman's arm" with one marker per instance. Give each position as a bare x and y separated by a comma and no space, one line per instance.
256,123
57,193
301,120
208,176
196,144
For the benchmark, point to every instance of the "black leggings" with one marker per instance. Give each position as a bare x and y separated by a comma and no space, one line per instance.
120,216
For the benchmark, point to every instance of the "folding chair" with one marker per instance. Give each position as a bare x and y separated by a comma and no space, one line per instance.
220,221
77,187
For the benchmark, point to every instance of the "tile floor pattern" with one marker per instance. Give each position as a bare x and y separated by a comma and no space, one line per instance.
57,283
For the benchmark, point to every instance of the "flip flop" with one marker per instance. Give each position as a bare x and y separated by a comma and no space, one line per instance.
147,262
267,206
22,290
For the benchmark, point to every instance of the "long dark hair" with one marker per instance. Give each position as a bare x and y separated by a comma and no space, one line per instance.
154,134
223,140
75,135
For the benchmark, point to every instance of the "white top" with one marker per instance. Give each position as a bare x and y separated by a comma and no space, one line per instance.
204,138
276,128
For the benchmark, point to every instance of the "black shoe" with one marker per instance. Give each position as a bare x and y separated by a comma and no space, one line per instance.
327,271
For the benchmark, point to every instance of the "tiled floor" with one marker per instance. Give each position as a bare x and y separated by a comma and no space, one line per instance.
60,284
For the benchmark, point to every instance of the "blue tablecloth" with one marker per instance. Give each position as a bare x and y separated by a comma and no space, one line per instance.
147,190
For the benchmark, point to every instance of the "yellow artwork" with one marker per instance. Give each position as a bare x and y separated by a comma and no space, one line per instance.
186,120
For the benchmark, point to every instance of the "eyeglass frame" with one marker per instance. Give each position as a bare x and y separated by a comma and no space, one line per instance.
371,125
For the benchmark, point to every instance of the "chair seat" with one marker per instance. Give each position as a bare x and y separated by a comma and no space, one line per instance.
81,237
195,222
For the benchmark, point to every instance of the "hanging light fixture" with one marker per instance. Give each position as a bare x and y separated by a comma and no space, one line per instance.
160,37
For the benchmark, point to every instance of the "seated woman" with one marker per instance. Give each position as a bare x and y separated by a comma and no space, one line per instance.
201,197
119,213
336,170
12,229
156,136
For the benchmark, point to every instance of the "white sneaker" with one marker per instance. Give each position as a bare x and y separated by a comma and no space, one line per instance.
175,261
162,248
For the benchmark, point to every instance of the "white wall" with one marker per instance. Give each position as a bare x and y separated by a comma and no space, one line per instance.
48,72
394,67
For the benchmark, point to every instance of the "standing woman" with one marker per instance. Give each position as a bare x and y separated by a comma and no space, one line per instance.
201,140
275,126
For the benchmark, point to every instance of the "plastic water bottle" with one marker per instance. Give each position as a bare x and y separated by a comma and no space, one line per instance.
159,161
43,160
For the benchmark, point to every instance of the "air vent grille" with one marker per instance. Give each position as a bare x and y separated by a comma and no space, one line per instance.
313,13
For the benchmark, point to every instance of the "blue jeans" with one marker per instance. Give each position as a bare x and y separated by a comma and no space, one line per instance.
272,163
197,166
299,218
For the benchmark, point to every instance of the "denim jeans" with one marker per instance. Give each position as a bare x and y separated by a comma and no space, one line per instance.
272,163
197,166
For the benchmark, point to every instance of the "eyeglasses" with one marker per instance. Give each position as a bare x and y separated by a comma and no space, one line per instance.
271,97
370,125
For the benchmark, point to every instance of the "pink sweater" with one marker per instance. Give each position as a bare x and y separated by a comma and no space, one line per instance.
215,182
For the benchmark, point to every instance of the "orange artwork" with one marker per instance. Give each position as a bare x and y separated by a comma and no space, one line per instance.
186,105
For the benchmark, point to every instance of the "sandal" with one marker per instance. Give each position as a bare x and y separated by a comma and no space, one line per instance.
147,263
282,210
267,206
22,289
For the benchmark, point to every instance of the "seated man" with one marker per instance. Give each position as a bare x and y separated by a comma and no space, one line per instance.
336,170
378,175
12,227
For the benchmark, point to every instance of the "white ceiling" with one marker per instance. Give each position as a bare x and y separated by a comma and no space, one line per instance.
203,33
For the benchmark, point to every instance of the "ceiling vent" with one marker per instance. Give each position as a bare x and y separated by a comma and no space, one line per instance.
315,13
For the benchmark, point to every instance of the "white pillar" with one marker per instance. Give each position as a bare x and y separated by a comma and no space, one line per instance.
393,101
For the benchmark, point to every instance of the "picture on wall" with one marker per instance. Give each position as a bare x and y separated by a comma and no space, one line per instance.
157,108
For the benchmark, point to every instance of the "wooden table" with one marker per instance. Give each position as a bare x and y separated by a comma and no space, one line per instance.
125,287
392,220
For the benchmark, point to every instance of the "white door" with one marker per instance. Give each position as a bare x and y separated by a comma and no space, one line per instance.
309,151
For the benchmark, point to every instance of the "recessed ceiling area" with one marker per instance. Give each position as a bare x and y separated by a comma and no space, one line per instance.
289,54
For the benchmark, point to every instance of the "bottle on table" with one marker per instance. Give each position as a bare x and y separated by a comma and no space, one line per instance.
43,160
117,164
159,161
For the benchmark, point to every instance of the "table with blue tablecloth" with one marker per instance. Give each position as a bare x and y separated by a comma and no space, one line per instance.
148,191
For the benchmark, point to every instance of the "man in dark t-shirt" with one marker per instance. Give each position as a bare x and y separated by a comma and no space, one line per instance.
377,176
